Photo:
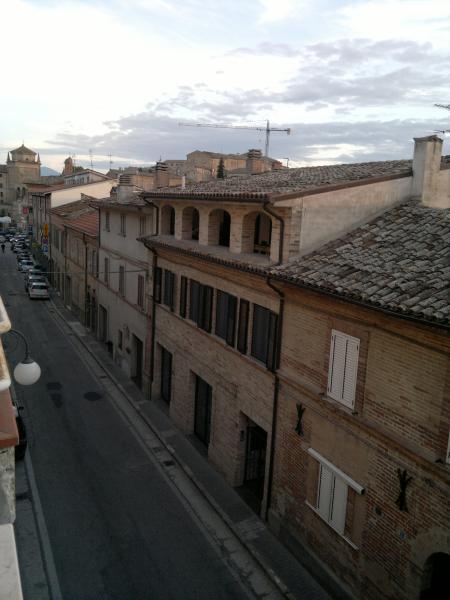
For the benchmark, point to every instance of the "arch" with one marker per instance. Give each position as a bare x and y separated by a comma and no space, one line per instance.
436,577
167,220
190,224
256,233
219,224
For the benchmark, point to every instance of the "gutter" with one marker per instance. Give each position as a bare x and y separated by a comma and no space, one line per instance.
281,221
276,391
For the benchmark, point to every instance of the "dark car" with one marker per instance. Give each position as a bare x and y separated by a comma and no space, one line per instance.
21,447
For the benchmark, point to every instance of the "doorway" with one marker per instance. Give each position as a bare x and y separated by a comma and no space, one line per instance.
203,405
166,375
436,577
252,489
102,323
138,349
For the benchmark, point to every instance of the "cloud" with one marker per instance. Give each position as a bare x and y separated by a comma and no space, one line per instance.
266,48
277,10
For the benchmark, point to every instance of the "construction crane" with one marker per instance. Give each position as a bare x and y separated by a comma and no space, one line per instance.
268,130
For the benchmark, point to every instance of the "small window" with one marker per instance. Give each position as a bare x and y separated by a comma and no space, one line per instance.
106,271
169,289
123,225
226,317
120,339
243,326
183,296
122,280
140,291
107,226
157,279
264,335
142,225
343,368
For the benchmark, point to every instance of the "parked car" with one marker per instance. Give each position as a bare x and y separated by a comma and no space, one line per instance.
33,279
23,255
25,264
38,290
21,447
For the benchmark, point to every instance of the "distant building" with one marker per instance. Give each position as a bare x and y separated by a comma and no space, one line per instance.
23,166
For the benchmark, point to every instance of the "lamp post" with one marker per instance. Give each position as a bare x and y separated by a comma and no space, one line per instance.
26,372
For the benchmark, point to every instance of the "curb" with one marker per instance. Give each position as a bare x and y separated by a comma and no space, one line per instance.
282,587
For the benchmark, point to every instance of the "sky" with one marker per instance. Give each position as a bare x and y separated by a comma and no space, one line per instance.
354,80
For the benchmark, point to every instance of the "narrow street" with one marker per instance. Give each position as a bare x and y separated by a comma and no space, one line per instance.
118,527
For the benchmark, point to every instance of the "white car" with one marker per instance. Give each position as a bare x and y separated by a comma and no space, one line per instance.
38,290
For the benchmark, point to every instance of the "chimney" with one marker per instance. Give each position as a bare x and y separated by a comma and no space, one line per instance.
255,162
125,188
161,175
430,184
183,182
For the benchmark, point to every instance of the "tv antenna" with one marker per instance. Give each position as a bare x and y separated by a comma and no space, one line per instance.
90,156
267,129
110,161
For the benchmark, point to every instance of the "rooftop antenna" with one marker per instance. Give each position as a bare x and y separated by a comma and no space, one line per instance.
286,158
74,157
110,161
90,155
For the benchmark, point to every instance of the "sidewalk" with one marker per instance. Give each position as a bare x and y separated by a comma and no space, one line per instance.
291,577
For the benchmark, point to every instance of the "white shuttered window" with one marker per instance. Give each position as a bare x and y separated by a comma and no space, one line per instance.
332,499
343,369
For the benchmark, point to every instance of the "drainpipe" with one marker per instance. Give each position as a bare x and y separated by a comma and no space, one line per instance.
281,221
276,390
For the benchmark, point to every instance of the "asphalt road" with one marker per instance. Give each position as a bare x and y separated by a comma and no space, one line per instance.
117,528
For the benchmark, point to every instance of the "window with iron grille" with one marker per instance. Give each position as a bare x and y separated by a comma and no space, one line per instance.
226,305
200,305
264,335
140,291
122,281
123,224
169,289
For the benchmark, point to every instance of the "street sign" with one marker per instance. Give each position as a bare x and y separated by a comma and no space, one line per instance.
45,248
45,230
44,240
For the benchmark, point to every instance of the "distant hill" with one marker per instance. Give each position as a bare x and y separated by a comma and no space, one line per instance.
48,171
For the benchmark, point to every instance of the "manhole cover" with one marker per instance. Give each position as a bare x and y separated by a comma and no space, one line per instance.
53,385
92,396
57,399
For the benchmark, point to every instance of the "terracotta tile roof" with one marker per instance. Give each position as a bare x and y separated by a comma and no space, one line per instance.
289,181
71,207
87,223
112,201
399,262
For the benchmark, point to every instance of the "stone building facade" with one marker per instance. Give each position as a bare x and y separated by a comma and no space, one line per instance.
23,166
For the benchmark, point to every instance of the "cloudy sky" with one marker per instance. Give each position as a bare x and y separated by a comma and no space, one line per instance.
356,80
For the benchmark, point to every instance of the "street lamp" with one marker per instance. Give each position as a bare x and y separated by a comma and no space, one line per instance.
27,372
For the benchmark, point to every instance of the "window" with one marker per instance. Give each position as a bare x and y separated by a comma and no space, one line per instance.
332,493
140,291
203,409
157,279
183,296
264,335
243,326
142,225
107,227
122,281
200,306
226,317
106,270
120,339
343,368
169,289
166,375
123,225
93,262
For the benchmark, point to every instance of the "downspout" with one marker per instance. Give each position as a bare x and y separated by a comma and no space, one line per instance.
276,390
50,244
281,221
65,264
